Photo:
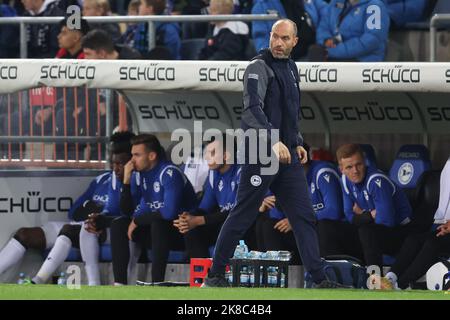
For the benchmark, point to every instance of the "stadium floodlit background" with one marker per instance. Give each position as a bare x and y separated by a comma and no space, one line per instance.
47,163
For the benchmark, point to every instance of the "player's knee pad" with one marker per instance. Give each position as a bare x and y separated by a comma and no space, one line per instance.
71,231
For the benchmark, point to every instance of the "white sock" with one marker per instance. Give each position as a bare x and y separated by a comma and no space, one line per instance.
11,254
135,253
55,258
89,252
392,277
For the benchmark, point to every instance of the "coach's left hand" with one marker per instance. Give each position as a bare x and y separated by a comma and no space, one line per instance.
302,155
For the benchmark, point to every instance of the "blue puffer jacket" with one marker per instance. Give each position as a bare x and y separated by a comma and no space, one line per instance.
404,11
360,37
261,29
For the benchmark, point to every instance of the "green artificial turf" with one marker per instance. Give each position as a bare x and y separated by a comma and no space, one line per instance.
53,292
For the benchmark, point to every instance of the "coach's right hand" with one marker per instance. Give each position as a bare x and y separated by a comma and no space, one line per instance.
282,152
128,169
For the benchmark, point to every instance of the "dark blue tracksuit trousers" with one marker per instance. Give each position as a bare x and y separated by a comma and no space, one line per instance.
290,188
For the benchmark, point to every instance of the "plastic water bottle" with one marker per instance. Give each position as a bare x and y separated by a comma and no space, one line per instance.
21,278
272,276
241,250
284,255
229,276
62,279
245,277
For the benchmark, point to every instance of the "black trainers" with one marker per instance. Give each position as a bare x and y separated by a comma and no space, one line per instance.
215,281
328,284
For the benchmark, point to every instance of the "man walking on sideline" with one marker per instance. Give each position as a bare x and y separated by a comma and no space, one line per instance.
272,102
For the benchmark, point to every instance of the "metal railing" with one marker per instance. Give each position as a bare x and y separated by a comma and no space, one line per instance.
435,22
151,20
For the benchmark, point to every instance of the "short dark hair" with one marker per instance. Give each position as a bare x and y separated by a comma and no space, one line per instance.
151,143
348,150
98,40
226,139
158,6
84,25
120,142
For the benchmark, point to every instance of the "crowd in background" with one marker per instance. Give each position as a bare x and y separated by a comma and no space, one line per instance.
329,30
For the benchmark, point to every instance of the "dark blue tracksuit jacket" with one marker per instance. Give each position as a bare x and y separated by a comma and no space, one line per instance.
271,100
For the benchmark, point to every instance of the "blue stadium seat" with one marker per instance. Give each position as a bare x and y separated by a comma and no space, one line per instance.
105,253
174,256
74,255
190,48
411,162
369,154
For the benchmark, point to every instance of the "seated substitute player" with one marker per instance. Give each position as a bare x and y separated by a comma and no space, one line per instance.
71,235
44,237
336,235
165,193
201,226
374,204
421,251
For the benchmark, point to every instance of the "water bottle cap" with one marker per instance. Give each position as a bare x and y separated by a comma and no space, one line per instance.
62,274
242,242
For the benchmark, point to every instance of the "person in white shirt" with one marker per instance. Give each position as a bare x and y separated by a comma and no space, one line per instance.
421,251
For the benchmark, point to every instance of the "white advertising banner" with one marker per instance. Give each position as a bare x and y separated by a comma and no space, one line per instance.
20,74
29,199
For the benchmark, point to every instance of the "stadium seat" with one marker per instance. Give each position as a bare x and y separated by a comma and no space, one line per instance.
190,48
426,200
74,255
411,162
369,154
174,256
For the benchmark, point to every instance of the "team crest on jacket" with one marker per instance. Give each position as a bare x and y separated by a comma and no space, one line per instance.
156,186
313,187
220,186
233,185
255,180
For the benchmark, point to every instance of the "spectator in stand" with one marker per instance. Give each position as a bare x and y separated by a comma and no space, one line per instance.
195,29
230,38
69,40
9,41
101,8
127,37
42,38
421,251
406,11
374,204
305,13
96,44
350,31
167,34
